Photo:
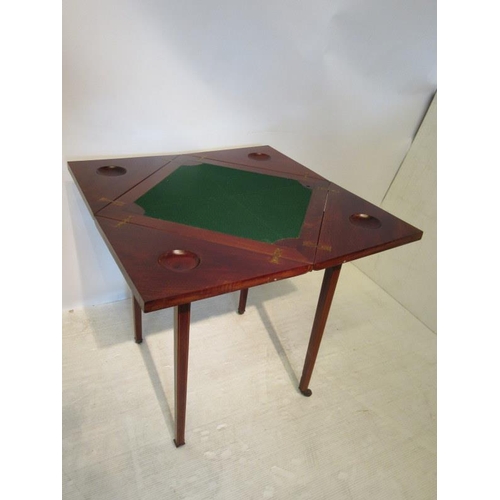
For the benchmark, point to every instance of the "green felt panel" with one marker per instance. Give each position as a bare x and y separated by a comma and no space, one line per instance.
246,204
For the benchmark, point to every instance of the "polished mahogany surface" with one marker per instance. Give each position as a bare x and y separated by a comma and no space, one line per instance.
167,262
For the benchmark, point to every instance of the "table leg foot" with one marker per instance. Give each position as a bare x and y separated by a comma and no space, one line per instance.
307,392
243,301
178,445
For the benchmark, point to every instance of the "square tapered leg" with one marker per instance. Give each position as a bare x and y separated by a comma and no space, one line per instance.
328,286
243,301
137,322
181,353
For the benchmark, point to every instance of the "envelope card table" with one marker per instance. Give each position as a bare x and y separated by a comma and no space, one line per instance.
187,227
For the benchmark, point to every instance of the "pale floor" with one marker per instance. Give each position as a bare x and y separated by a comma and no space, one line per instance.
367,432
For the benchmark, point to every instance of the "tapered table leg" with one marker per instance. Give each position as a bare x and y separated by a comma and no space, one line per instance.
181,351
243,300
137,322
330,279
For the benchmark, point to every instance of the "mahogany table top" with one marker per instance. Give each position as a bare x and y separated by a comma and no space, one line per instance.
188,227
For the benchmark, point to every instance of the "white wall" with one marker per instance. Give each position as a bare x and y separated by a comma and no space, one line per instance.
339,86
408,273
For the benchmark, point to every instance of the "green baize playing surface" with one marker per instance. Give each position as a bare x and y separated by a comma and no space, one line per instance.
236,202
